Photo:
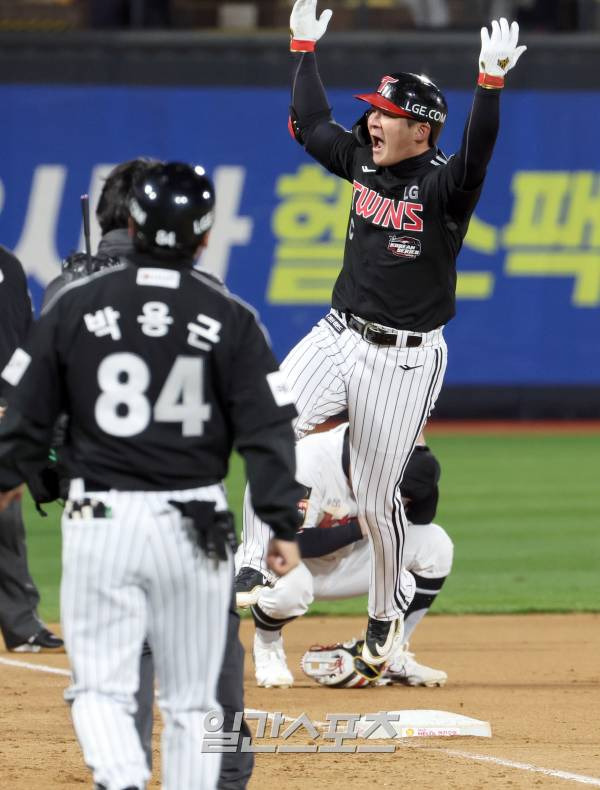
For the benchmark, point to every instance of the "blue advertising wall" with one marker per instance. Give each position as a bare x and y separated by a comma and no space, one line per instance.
529,282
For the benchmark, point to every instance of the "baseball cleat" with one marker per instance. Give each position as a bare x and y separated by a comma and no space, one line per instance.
403,668
42,642
270,666
249,584
381,639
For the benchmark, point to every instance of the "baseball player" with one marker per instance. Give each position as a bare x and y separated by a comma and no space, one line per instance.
160,371
116,244
21,627
335,554
380,352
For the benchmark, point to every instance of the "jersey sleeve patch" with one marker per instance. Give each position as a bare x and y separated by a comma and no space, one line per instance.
163,278
16,367
281,394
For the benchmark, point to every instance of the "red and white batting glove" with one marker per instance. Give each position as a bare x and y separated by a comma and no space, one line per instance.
499,52
306,28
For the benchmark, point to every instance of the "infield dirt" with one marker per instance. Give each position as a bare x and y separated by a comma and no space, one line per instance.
535,678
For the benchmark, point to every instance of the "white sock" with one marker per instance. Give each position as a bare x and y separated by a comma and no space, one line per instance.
412,621
267,637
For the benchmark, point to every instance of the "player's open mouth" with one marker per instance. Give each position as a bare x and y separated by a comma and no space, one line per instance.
377,143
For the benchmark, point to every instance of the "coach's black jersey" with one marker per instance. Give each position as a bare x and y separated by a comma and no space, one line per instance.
15,305
160,371
407,221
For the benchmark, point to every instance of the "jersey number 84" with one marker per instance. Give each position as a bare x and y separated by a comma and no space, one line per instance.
123,409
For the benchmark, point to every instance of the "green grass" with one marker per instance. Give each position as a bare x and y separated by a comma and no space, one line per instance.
523,512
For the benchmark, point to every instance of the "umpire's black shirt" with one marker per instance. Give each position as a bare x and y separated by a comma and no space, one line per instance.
161,372
407,221
15,305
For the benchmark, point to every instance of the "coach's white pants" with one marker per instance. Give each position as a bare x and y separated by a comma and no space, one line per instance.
428,552
389,392
137,574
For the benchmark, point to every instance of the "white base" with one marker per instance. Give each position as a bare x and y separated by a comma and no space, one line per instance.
426,723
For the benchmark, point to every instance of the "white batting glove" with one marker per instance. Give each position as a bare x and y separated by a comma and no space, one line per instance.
499,52
306,28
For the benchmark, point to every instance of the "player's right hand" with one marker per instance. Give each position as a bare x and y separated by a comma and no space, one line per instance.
283,556
306,28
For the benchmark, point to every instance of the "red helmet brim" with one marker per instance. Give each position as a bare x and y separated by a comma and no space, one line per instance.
377,100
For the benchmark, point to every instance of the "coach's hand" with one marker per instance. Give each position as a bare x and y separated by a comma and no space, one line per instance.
306,28
283,556
499,52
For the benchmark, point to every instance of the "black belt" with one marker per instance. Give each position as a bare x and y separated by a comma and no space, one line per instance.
371,334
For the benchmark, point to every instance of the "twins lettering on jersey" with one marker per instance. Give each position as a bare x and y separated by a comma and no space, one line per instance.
386,212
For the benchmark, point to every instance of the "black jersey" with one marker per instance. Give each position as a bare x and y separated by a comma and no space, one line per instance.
403,238
15,305
161,371
407,221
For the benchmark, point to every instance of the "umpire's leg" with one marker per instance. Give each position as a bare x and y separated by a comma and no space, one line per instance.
236,767
19,597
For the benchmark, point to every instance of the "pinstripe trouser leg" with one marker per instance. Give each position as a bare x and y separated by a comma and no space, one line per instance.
315,371
330,370
388,406
390,395
140,572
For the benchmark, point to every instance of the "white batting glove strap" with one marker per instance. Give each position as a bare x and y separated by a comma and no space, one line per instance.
305,27
499,52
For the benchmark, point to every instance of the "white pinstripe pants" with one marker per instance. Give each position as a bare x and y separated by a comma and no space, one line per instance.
389,392
138,573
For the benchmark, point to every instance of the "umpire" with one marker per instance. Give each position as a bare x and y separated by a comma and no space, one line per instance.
21,627
161,372
112,213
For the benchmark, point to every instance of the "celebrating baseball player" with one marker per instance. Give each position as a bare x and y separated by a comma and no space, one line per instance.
160,370
335,558
380,352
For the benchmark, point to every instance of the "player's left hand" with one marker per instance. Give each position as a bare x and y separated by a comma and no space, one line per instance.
6,497
499,52
305,26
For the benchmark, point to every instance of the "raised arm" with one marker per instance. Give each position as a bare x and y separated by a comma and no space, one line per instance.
311,122
499,53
